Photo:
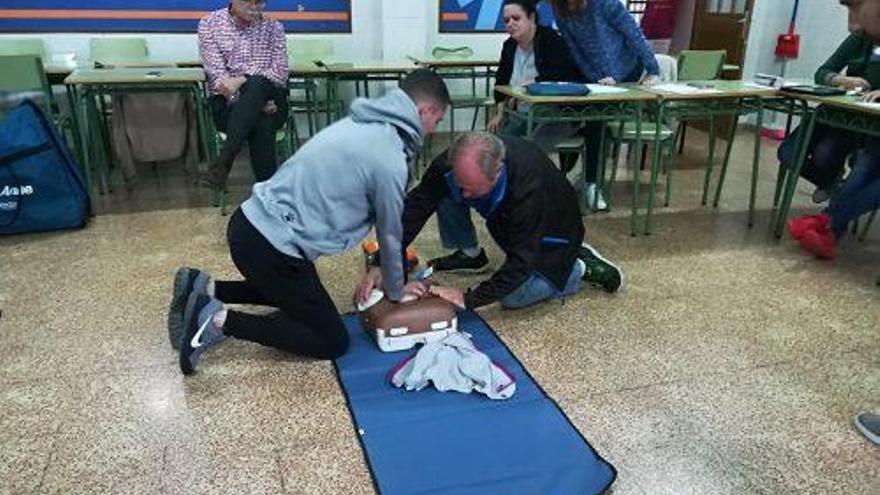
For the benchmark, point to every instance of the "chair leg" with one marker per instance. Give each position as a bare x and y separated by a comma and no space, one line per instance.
667,169
867,226
723,173
710,162
682,129
451,124
608,190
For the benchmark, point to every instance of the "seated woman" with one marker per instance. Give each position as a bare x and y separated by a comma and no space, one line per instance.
609,48
829,147
859,194
532,53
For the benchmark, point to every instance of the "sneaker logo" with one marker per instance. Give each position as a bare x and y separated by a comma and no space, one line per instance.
196,340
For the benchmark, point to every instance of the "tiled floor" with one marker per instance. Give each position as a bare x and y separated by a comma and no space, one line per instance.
731,364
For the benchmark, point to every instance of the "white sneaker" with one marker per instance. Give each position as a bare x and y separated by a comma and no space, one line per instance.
594,197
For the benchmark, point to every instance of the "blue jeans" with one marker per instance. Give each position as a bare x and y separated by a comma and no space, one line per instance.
826,154
456,228
537,288
860,193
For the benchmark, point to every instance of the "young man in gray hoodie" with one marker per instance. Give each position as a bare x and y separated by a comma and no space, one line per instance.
345,180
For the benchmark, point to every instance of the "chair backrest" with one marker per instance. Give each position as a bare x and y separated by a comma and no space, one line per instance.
668,68
305,51
697,65
23,46
24,74
109,50
452,52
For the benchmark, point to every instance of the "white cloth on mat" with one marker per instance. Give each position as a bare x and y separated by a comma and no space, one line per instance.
454,363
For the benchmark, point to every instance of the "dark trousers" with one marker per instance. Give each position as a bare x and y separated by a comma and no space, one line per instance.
244,121
860,193
592,132
826,154
306,323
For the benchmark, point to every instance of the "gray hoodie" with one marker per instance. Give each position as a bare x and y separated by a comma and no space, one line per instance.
347,178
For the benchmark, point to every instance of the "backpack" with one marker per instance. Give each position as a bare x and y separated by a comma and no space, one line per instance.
41,187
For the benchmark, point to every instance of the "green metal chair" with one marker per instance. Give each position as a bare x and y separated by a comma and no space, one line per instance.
307,96
698,65
466,99
115,50
24,75
625,132
23,46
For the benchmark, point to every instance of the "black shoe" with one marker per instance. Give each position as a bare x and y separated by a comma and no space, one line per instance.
600,271
460,262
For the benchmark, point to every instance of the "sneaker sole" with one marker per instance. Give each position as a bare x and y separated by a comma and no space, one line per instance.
595,253
870,435
190,324
183,282
465,271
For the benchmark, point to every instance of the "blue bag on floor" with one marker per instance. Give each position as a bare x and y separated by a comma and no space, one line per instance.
430,442
41,187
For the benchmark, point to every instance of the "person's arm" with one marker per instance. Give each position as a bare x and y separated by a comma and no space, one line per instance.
505,68
277,71
580,60
212,59
387,196
832,68
422,201
621,19
522,248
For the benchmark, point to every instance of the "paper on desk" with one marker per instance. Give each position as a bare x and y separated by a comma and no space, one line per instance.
683,89
601,89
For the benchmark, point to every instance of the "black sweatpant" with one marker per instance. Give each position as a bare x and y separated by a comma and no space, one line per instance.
244,120
306,323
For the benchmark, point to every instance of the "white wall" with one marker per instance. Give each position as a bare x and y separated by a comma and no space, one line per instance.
365,41
821,25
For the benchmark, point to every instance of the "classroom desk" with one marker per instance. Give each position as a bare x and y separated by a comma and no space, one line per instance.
723,98
85,86
840,112
621,106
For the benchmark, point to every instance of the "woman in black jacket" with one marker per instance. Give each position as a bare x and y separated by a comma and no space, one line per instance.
532,53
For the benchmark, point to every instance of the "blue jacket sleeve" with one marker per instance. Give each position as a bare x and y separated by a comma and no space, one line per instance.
576,53
617,15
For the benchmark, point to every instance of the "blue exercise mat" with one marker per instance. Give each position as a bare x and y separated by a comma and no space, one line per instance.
428,442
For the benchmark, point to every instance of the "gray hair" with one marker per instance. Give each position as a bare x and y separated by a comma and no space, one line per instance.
488,147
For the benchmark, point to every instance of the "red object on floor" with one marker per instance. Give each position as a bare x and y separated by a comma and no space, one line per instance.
820,240
777,134
797,227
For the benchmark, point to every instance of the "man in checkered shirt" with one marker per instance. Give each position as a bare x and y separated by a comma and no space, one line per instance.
245,58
